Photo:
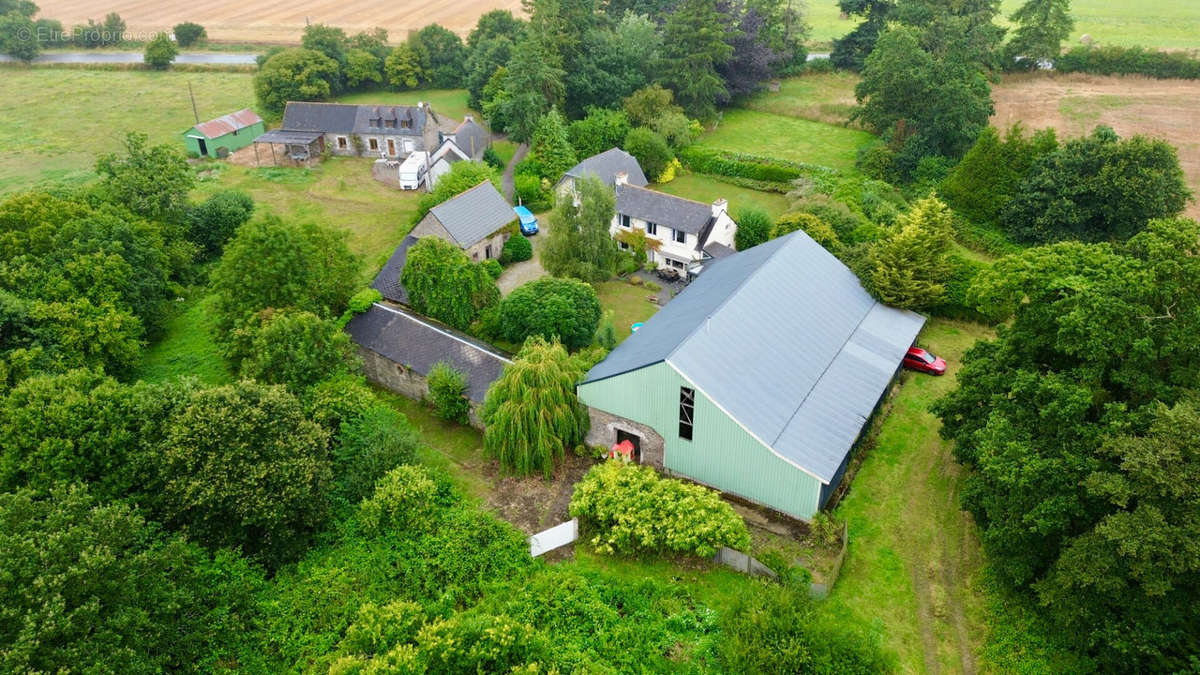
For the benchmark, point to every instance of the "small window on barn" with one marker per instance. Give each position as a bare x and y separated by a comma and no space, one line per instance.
687,410
342,142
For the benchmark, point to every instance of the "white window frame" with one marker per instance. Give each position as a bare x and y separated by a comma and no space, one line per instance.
679,236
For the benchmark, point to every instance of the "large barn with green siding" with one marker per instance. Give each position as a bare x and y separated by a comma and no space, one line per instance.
757,379
225,135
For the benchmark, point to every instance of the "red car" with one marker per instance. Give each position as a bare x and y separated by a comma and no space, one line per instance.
922,361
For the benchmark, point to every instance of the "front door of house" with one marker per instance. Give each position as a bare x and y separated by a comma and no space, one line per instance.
635,441
392,147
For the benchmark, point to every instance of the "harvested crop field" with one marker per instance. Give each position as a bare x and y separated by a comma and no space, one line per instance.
275,20
1075,104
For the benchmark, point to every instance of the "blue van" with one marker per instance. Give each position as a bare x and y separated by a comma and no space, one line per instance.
528,221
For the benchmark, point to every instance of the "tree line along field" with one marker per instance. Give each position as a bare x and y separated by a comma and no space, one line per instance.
1169,24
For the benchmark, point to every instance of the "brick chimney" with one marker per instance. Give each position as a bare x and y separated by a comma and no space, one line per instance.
620,178
718,207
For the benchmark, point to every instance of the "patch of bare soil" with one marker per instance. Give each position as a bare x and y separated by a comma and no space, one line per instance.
1075,104
535,504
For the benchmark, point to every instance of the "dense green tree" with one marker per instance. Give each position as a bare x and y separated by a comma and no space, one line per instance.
909,268
751,59
333,43
991,172
613,63
579,244
753,228
783,31
153,181
482,62
160,52
403,68
694,48
650,149
295,74
812,225
532,413
551,147
242,467
19,36
532,86
442,56
1097,188
297,350
963,30
922,103
566,309
374,42
851,50
272,264
600,130
93,587
448,392
213,222
443,283
362,68
645,105
372,443
494,24
189,33
1042,26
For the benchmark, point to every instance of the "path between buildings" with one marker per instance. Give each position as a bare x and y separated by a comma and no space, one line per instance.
506,183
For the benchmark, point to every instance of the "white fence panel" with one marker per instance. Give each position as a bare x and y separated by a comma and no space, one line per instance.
555,537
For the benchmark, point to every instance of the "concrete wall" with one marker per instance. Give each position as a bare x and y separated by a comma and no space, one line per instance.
604,432
403,380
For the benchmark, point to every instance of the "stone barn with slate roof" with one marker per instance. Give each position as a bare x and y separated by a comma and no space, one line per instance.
757,379
399,348
477,221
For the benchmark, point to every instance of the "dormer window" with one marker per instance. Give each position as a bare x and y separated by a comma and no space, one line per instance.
373,123
390,124
405,124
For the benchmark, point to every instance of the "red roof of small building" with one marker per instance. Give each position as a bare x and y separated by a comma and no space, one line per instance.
227,124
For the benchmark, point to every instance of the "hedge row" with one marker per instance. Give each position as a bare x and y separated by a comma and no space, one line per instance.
1129,61
739,165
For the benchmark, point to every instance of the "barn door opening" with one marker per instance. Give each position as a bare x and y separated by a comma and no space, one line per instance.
635,441
203,147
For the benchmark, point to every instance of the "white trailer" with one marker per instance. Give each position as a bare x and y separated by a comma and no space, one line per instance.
412,171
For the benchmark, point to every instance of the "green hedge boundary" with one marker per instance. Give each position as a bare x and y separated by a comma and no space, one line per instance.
1130,61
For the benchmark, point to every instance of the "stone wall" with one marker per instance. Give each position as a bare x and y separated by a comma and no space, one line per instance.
604,432
403,380
478,252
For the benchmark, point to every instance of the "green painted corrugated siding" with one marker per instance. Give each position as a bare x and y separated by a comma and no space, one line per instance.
231,142
721,454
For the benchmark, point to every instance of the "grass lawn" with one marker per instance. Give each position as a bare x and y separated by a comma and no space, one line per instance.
707,189
628,302
798,140
820,97
188,347
505,149
1169,24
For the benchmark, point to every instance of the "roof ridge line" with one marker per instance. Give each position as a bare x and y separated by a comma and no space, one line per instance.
716,310
666,194
820,377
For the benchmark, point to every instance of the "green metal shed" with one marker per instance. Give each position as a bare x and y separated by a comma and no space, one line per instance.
224,135
758,378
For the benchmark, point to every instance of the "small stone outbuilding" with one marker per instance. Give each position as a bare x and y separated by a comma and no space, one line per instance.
477,221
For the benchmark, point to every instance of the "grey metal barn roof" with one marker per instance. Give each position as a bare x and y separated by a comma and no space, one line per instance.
607,164
474,214
783,338
387,282
664,209
419,343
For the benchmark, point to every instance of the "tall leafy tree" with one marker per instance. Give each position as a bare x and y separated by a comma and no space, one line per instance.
909,268
751,59
482,62
295,75
532,413
852,49
494,24
442,55
551,147
532,85
443,283
160,52
402,68
694,47
563,309
297,350
1097,188
152,180
19,37
579,244
600,130
1042,26
362,68
651,150
991,172
332,42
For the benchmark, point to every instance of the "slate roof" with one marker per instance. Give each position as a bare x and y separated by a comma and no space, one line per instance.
473,215
471,138
783,338
718,250
607,164
664,209
344,118
419,343
227,124
387,282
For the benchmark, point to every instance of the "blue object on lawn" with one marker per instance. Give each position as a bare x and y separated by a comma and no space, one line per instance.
635,327
528,220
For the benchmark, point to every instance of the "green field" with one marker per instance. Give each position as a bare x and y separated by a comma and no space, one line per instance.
820,97
708,189
1169,24
798,140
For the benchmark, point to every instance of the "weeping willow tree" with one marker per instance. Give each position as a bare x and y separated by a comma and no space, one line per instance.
531,412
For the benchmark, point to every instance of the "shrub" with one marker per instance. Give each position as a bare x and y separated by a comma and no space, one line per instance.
298,349
516,249
160,52
480,643
403,500
212,222
606,334
1113,60
819,230
188,33
753,228
954,303
738,165
844,221
528,191
631,509
650,149
334,401
531,412
370,445
444,284
492,158
378,629
448,392
493,268
550,307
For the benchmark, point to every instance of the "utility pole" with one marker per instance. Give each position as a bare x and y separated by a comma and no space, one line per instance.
193,97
